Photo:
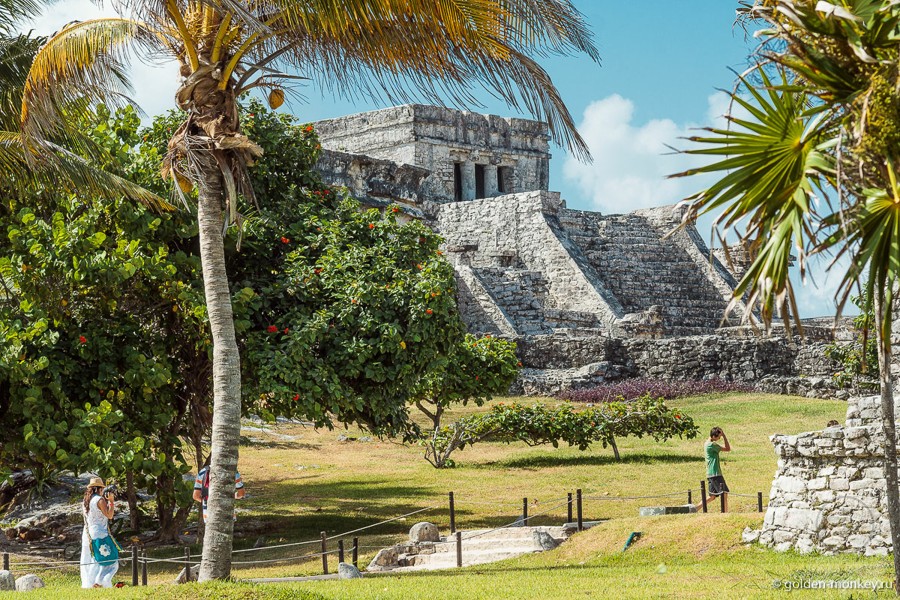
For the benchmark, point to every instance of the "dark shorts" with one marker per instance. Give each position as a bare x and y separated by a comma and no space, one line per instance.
717,485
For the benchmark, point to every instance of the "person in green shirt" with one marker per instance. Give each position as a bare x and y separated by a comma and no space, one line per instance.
714,478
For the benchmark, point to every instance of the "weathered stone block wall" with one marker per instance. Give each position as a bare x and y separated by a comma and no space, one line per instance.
577,358
514,231
829,490
643,268
373,181
436,138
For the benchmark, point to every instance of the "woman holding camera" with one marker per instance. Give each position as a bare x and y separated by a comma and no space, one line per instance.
99,551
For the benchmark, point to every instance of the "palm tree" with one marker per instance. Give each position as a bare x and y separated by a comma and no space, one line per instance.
56,165
391,49
813,168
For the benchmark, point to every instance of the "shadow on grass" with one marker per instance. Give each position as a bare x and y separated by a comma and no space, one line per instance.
249,442
548,460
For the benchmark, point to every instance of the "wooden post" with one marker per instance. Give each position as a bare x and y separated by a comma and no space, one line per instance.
759,501
324,553
569,518
134,565
355,552
144,567
703,494
578,507
690,501
459,548
187,563
340,550
525,512
722,502
452,514
6,561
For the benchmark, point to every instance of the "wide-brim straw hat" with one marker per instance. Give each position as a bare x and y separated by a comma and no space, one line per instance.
95,482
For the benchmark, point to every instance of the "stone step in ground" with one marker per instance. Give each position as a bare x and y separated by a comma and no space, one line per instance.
479,546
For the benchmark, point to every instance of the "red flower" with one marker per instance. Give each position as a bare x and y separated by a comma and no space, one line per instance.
353,301
371,225
308,128
286,330
419,266
317,271
476,378
285,240
82,339
395,209
428,312
272,329
519,363
678,417
296,397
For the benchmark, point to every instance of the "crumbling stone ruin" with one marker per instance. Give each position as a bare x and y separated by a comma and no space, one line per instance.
829,492
588,297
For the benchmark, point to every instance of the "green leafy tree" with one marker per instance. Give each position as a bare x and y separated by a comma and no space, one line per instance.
539,424
474,370
859,357
813,167
377,48
339,312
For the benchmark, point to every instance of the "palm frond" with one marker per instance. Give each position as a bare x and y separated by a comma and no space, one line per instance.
436,50
64,171
14,11
776,163
80,66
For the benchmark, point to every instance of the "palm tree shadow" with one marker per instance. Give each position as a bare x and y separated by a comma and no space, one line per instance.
547,460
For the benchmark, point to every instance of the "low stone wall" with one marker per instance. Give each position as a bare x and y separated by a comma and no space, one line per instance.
829,490
569,359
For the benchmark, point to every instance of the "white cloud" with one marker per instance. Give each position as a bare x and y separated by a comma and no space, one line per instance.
154,84
632,161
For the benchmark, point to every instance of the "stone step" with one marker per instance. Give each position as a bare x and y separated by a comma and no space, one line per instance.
447,560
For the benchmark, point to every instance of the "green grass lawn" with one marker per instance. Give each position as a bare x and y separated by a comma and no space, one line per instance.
312,483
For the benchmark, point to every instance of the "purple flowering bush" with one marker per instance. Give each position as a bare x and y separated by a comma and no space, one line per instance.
630,389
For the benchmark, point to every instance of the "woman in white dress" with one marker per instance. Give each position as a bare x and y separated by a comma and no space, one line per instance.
97,513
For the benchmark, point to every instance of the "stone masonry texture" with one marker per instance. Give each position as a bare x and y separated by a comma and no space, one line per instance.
588,297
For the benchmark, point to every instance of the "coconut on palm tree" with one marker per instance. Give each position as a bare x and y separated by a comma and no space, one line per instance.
391,49
812,168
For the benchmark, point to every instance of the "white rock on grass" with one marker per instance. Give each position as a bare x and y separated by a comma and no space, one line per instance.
7,582
185,577
26,583
386,559
348,571
424,532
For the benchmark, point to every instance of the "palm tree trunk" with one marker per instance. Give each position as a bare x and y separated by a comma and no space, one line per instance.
882,318
226,425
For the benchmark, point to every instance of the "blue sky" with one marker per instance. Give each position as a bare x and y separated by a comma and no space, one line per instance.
662,66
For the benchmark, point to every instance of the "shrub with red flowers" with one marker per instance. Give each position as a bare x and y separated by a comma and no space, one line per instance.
538,424
342,319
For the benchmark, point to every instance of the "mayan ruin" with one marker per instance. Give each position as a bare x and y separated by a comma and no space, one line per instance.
588,297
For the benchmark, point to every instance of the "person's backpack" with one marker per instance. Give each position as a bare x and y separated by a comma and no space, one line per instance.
204,490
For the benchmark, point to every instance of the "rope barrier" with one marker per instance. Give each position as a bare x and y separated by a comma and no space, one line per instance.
679,493
291,544
415,512
288,558
513,523
37,565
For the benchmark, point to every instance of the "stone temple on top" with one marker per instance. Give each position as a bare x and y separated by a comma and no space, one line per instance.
588,297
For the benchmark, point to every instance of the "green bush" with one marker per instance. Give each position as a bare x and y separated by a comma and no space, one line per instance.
539,424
